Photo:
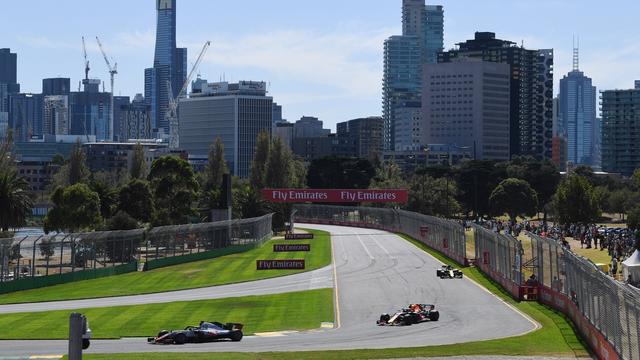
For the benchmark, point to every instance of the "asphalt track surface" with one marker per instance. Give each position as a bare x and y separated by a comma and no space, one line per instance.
374,272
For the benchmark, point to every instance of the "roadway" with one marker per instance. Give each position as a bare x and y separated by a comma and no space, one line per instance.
374,272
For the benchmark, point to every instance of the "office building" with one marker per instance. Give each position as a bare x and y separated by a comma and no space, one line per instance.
310,148
8,86
56,115
234,112
26,115
577,115
361,137
309,126
466,103
119,116
135,120
169,71
56,86
277,113
117,156
284,130
50,145
422,38
621,130
531,113
432,155
409,129
90,113
401,84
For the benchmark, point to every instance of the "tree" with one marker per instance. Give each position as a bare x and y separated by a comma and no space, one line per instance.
514,197
618,202
77,171
260,158
107,193
476,180
576,202
136,200
334,172
76,208
388,176
6,147
46,249
122,221
633,220
543,176
174,188
58,159
279,171
216,166
138,169
431,196
15,201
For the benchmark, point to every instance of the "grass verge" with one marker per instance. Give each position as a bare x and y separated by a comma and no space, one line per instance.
219,271
290,311
557,337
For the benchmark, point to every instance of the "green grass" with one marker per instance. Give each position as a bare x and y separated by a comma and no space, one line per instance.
557,337
224,270
290,311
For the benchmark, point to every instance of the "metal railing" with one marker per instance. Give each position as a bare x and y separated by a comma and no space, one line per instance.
606,312
37,256
446,236
500,256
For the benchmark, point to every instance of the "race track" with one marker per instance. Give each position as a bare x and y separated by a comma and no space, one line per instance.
376,272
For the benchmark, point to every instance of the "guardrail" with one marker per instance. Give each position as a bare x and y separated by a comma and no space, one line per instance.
446,236
37,261
605,311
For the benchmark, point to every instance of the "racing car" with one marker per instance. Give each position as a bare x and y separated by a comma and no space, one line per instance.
205,332
448,272
415,313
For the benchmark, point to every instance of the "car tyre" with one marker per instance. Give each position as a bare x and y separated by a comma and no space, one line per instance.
180,339
85,344
434,316
237,336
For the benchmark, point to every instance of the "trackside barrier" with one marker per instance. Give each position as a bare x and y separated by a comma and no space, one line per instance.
500,257
443,235
606,312
38,261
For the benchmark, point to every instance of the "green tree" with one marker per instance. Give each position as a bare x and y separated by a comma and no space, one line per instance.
76,208
633,220
122,221
618,202
388,176
260,158
58,159
476,180
138,169
543,176
334,172
107,193
576,202
431,196
77,167
279,172
136,200
514,197
216,166
174,188
15,201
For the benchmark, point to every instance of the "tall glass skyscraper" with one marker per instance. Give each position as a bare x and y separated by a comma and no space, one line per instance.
422,38
169,66
577,113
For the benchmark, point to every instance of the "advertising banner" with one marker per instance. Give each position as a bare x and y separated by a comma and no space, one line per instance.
335,195
291,247
298,236
280,264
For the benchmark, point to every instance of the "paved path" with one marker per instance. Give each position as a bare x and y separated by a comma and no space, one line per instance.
376,272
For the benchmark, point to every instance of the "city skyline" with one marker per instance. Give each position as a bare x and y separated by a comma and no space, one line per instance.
318,61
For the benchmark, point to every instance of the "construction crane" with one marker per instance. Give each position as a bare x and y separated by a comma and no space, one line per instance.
113,70
172,110
86,60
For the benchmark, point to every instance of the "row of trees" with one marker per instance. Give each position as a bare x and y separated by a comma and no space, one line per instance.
15,199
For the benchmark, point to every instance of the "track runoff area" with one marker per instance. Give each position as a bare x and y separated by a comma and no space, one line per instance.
373,272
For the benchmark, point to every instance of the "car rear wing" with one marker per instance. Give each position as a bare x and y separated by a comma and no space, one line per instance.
233,326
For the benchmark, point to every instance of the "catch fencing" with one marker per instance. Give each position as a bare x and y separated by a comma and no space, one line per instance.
446,236
605,311
500,256
36,261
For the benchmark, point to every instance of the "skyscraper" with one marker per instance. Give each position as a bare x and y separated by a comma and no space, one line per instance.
169,66
577,115
8,84
531,123
621,130
422,38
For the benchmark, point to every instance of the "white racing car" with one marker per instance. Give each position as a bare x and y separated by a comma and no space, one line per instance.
448,272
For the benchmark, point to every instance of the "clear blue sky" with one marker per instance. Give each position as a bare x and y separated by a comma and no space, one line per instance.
322,58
